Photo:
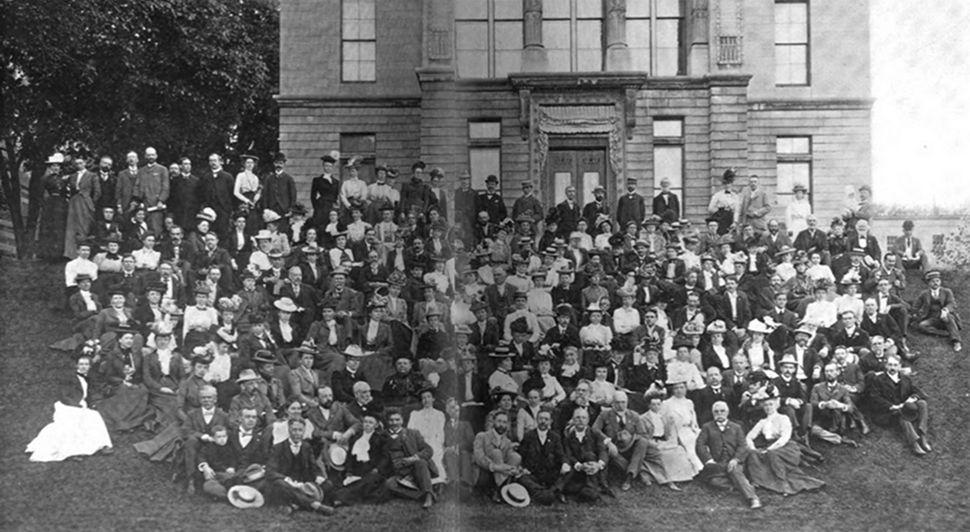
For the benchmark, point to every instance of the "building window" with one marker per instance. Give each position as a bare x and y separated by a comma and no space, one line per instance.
791,42
358,41
484,151
668,155
794,167
654,30
572,34
363,145
488,37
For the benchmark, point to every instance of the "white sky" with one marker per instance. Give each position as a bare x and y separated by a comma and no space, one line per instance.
921,118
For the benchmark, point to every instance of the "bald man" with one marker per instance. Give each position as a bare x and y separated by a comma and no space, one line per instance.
722,448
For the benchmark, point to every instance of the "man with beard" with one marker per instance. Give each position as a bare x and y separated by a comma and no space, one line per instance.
217,194
666,200
793,395
196,428
495,455
279,192
107,183
630,207
332,424
491,201
125,185
580,401
294,476
586,453
152,188
830,403
628,447
775,239
184,192
364,403
465,198
934,311
593,209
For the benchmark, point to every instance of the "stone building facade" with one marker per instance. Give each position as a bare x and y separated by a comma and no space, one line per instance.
584,92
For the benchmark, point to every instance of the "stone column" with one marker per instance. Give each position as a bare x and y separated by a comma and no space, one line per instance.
533,53
617,52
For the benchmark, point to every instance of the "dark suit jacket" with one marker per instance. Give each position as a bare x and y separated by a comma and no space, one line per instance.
775,243
413,444
379,459
195,425
544,461
152,371
884,325
340,420
107,198
152,184
705,398
805,241
858,340
722,447
568,218
279,193
124,189
217,192
609,424
184,198
630,208
926,307
591,211
255,452
71,393
565,413
80,310
591,449
556,336
300,467
884,393
461,435
672,203
342,383
743,315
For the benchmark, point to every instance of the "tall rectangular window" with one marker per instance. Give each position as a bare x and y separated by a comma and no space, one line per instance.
668,155
358,41
484,151
572,34
792,58
654,30
794,167
488,37
363,145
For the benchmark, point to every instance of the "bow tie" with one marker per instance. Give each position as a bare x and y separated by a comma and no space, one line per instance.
242,433
111,256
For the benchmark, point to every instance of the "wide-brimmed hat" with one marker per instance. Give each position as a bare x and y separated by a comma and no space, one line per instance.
338,457
243,496
909,411
263,234
270,215
693,328
784,250
788,358
594,307
501,351
312,490
462,329
247,375
682,341
757,326
805,328
515,495
207,214
717,326
57,158
286,304
355,351
264,356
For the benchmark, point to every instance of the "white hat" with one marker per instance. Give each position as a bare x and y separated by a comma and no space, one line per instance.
286,304
338,456
207,214
515,495
243,496
264,234
757,326
270,216
57,158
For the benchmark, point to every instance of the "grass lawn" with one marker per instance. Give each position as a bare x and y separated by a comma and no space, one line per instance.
880,486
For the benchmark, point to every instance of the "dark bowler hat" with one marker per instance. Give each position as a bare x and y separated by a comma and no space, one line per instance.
328,159
279,157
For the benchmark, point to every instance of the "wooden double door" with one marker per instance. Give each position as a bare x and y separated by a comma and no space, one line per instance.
584,168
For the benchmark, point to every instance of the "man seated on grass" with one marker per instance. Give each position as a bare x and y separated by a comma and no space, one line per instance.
295,478
722,448
894,399
830,405
935,311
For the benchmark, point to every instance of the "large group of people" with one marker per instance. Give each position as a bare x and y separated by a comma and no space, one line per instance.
378,345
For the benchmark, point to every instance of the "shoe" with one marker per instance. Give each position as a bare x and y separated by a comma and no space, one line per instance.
865,428
917,450
957,347
562,498
288,509
191,488
322,508
338,504
107,451
925,444
850,443
755,503
626,485
674,487
428,501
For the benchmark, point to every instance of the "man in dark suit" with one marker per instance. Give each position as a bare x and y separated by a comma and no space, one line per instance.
934,311
332,424
851,335
715,391
894,399
410,457
294,476
722,447
666,200
794,397
125,185
197,428
491,201
84,189
279,191
569,214
564,334
580,401
249,445
910,250
595,208
304,295
543,457
458,446
812,240
875,324
775,239
630,207
217,194
364,403
184,194
214,256
108,183
733,306
416,195
586,453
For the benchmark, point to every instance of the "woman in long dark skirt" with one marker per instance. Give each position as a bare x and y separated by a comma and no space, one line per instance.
53,220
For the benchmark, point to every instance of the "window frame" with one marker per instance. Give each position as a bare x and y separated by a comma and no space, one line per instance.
368,161
491,22
652,19
807,44
574,21
484,144
344,40
796,158
670,142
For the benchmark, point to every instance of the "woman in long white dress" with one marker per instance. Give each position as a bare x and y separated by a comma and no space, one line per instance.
678,410
796,214
673,453
76,430
431,424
